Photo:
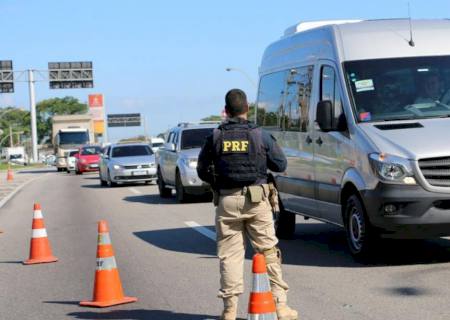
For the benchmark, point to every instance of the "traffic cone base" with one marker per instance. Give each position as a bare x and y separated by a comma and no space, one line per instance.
105,304
45,260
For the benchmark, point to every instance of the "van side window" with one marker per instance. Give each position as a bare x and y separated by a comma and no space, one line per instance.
330,90
284,98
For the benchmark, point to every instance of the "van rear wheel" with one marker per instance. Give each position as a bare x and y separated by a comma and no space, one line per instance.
284,223
361,236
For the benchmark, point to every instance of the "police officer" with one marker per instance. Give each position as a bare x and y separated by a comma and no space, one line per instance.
234,160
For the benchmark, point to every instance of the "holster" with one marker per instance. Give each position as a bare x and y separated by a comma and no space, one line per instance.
273,198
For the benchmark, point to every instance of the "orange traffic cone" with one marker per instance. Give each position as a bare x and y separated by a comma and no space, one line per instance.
40,251
261,304
10,175
107,287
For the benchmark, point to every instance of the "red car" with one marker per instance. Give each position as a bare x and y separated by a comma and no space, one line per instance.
88,159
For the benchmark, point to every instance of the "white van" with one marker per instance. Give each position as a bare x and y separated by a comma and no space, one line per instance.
362,111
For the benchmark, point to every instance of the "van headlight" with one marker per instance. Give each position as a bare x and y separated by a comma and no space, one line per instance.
392,168
116,167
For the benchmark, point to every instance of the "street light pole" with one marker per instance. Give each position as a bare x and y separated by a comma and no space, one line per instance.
244,73
33,115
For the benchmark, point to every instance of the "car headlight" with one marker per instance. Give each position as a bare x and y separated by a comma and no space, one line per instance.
191,163
83,160
392,168
116,167
152,165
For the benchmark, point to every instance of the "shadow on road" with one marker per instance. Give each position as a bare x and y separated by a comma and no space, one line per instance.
150,199
139,314
315,244
156,199
179,240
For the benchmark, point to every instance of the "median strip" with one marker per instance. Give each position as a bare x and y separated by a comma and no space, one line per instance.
200,229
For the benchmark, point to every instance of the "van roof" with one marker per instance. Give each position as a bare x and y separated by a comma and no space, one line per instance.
348,40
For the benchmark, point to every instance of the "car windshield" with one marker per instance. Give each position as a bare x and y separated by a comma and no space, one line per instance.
194,138
15,156
73,137
89,151
131,151
72,153
400,88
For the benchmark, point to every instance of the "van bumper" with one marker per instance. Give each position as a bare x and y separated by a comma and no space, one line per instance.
419,213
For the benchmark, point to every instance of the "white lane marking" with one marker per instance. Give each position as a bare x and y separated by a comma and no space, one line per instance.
135,191
204,231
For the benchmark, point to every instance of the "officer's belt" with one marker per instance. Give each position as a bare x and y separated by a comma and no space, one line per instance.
242,191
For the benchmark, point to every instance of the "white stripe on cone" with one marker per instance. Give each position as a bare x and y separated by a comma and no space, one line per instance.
39,233
260,282
37,214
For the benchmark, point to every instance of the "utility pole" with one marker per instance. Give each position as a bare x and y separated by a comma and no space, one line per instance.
33,115
10,137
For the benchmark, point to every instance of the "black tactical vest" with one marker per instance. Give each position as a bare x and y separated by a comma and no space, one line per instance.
240,158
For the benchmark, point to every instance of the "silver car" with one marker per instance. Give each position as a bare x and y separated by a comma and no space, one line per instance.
177,161
127,163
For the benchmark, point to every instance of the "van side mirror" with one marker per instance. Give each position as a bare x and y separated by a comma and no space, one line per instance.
169,146
324,115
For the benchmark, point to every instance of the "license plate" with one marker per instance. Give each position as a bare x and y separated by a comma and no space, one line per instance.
94,165
139,173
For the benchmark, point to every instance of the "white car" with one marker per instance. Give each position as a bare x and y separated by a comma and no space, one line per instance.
131,162
156,144
71,161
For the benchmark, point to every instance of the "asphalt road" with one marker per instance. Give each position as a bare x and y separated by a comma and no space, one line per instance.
171,265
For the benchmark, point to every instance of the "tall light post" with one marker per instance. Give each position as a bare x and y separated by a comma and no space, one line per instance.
244,73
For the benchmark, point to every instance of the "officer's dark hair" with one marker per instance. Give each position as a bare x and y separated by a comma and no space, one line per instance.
236,102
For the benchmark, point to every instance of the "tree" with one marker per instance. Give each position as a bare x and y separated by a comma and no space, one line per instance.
212,118
251,114
18,119
46,109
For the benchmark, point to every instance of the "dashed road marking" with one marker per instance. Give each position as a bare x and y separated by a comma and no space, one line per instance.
135,191
200,229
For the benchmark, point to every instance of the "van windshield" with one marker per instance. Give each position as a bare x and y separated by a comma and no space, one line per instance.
400,88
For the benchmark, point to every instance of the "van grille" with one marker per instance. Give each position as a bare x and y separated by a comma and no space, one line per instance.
436,171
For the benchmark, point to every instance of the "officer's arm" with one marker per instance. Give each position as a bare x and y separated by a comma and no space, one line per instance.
276,160
205,161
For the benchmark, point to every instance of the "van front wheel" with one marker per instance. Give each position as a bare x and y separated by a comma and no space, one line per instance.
360,233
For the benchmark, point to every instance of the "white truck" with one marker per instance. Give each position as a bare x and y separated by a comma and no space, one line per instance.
15,155
70,132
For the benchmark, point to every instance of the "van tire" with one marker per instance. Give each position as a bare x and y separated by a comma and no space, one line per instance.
361,236
164,192
284,223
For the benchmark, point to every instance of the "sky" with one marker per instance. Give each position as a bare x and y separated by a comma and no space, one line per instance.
166,59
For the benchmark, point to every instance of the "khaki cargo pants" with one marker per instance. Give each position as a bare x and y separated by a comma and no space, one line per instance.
237,218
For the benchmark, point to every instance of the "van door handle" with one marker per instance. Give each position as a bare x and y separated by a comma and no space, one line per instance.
308,140
319,141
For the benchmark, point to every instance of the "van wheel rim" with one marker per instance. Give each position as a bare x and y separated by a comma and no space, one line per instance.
356,228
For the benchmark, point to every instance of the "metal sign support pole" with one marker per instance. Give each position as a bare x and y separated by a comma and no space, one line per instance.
33,115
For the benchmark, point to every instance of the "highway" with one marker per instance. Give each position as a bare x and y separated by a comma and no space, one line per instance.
166,257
